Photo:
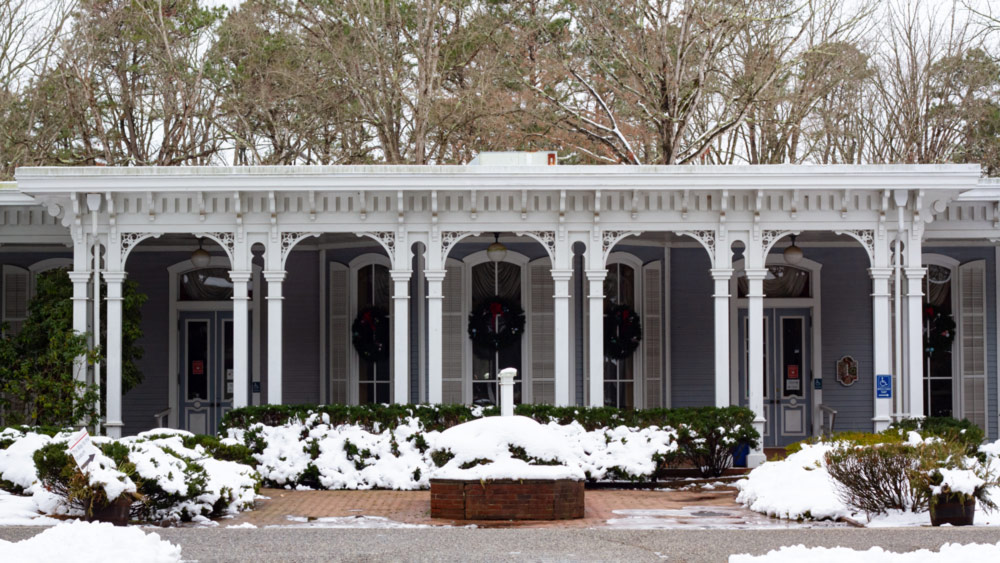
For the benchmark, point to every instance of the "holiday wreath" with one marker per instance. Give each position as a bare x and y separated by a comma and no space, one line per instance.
494,324
370,334
939,331
622,332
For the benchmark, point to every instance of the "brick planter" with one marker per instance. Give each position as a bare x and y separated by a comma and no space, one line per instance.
505,499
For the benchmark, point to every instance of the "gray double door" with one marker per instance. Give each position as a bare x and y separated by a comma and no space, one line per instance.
206,369
787,373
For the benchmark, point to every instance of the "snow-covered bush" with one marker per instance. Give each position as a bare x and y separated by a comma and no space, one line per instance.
314,453
287,441
168,474
801,486
876,479
103,484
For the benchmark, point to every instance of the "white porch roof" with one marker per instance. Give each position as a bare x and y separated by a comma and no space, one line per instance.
42,180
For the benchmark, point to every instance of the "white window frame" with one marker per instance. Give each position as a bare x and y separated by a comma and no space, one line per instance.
638,381
353,375
522,261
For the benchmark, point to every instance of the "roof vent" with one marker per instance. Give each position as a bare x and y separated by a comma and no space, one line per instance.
512,158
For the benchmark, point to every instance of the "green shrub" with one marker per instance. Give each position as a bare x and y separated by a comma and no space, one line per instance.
876,479
215,448
851,437
946,428
58,472
708,436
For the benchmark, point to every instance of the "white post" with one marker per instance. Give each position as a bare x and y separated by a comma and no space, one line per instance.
755,314
915,341
562,335
80,276
274,337
435,341
113,423
881,345
596,347
94,205
401,336
506,377
241,335
721,277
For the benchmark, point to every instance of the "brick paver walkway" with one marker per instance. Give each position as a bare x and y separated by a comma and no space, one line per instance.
413,507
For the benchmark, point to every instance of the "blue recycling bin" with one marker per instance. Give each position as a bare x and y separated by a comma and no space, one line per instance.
740,455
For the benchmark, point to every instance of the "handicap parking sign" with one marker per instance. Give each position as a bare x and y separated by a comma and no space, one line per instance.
883,386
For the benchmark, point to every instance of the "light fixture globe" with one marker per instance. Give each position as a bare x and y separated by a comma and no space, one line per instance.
793,254
200,258
496,252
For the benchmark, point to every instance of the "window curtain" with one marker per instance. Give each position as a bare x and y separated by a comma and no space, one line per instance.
210,284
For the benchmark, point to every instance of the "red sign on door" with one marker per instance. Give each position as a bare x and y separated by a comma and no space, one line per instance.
198,367
793,372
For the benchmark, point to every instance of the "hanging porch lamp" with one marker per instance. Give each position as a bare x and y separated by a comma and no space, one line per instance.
200,258
793,254
496,252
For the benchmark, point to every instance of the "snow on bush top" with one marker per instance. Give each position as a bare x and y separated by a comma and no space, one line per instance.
312,453
511,447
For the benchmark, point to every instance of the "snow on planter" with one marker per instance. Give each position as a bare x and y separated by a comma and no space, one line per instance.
507,447
88,542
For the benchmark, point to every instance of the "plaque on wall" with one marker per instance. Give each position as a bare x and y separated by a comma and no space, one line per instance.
847,371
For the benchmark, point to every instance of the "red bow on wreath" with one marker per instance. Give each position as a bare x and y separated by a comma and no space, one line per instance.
496,309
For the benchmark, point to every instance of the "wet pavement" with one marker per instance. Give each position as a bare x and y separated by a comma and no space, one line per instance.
694,507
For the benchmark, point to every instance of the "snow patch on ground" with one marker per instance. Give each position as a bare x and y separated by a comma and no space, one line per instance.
948,552
22,511
796,487
86,542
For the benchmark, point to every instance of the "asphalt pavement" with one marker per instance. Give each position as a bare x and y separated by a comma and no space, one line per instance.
553,544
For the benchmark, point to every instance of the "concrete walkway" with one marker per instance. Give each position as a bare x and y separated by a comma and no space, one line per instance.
657,509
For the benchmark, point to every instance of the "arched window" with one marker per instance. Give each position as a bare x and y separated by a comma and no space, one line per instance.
490,279
782,281
207,284
939,315
14,307
371,289
621,288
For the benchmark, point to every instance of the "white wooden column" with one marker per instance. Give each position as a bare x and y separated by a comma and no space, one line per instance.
881,343
241,338
401,335
435,342
274,279
914,339
755,371
595,349
80,277
113,415
561,279
721,299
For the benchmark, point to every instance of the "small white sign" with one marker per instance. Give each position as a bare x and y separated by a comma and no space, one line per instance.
81,449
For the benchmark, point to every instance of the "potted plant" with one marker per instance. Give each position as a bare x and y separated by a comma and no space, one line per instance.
953,492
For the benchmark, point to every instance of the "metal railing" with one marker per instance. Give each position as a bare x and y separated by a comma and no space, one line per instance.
828,418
